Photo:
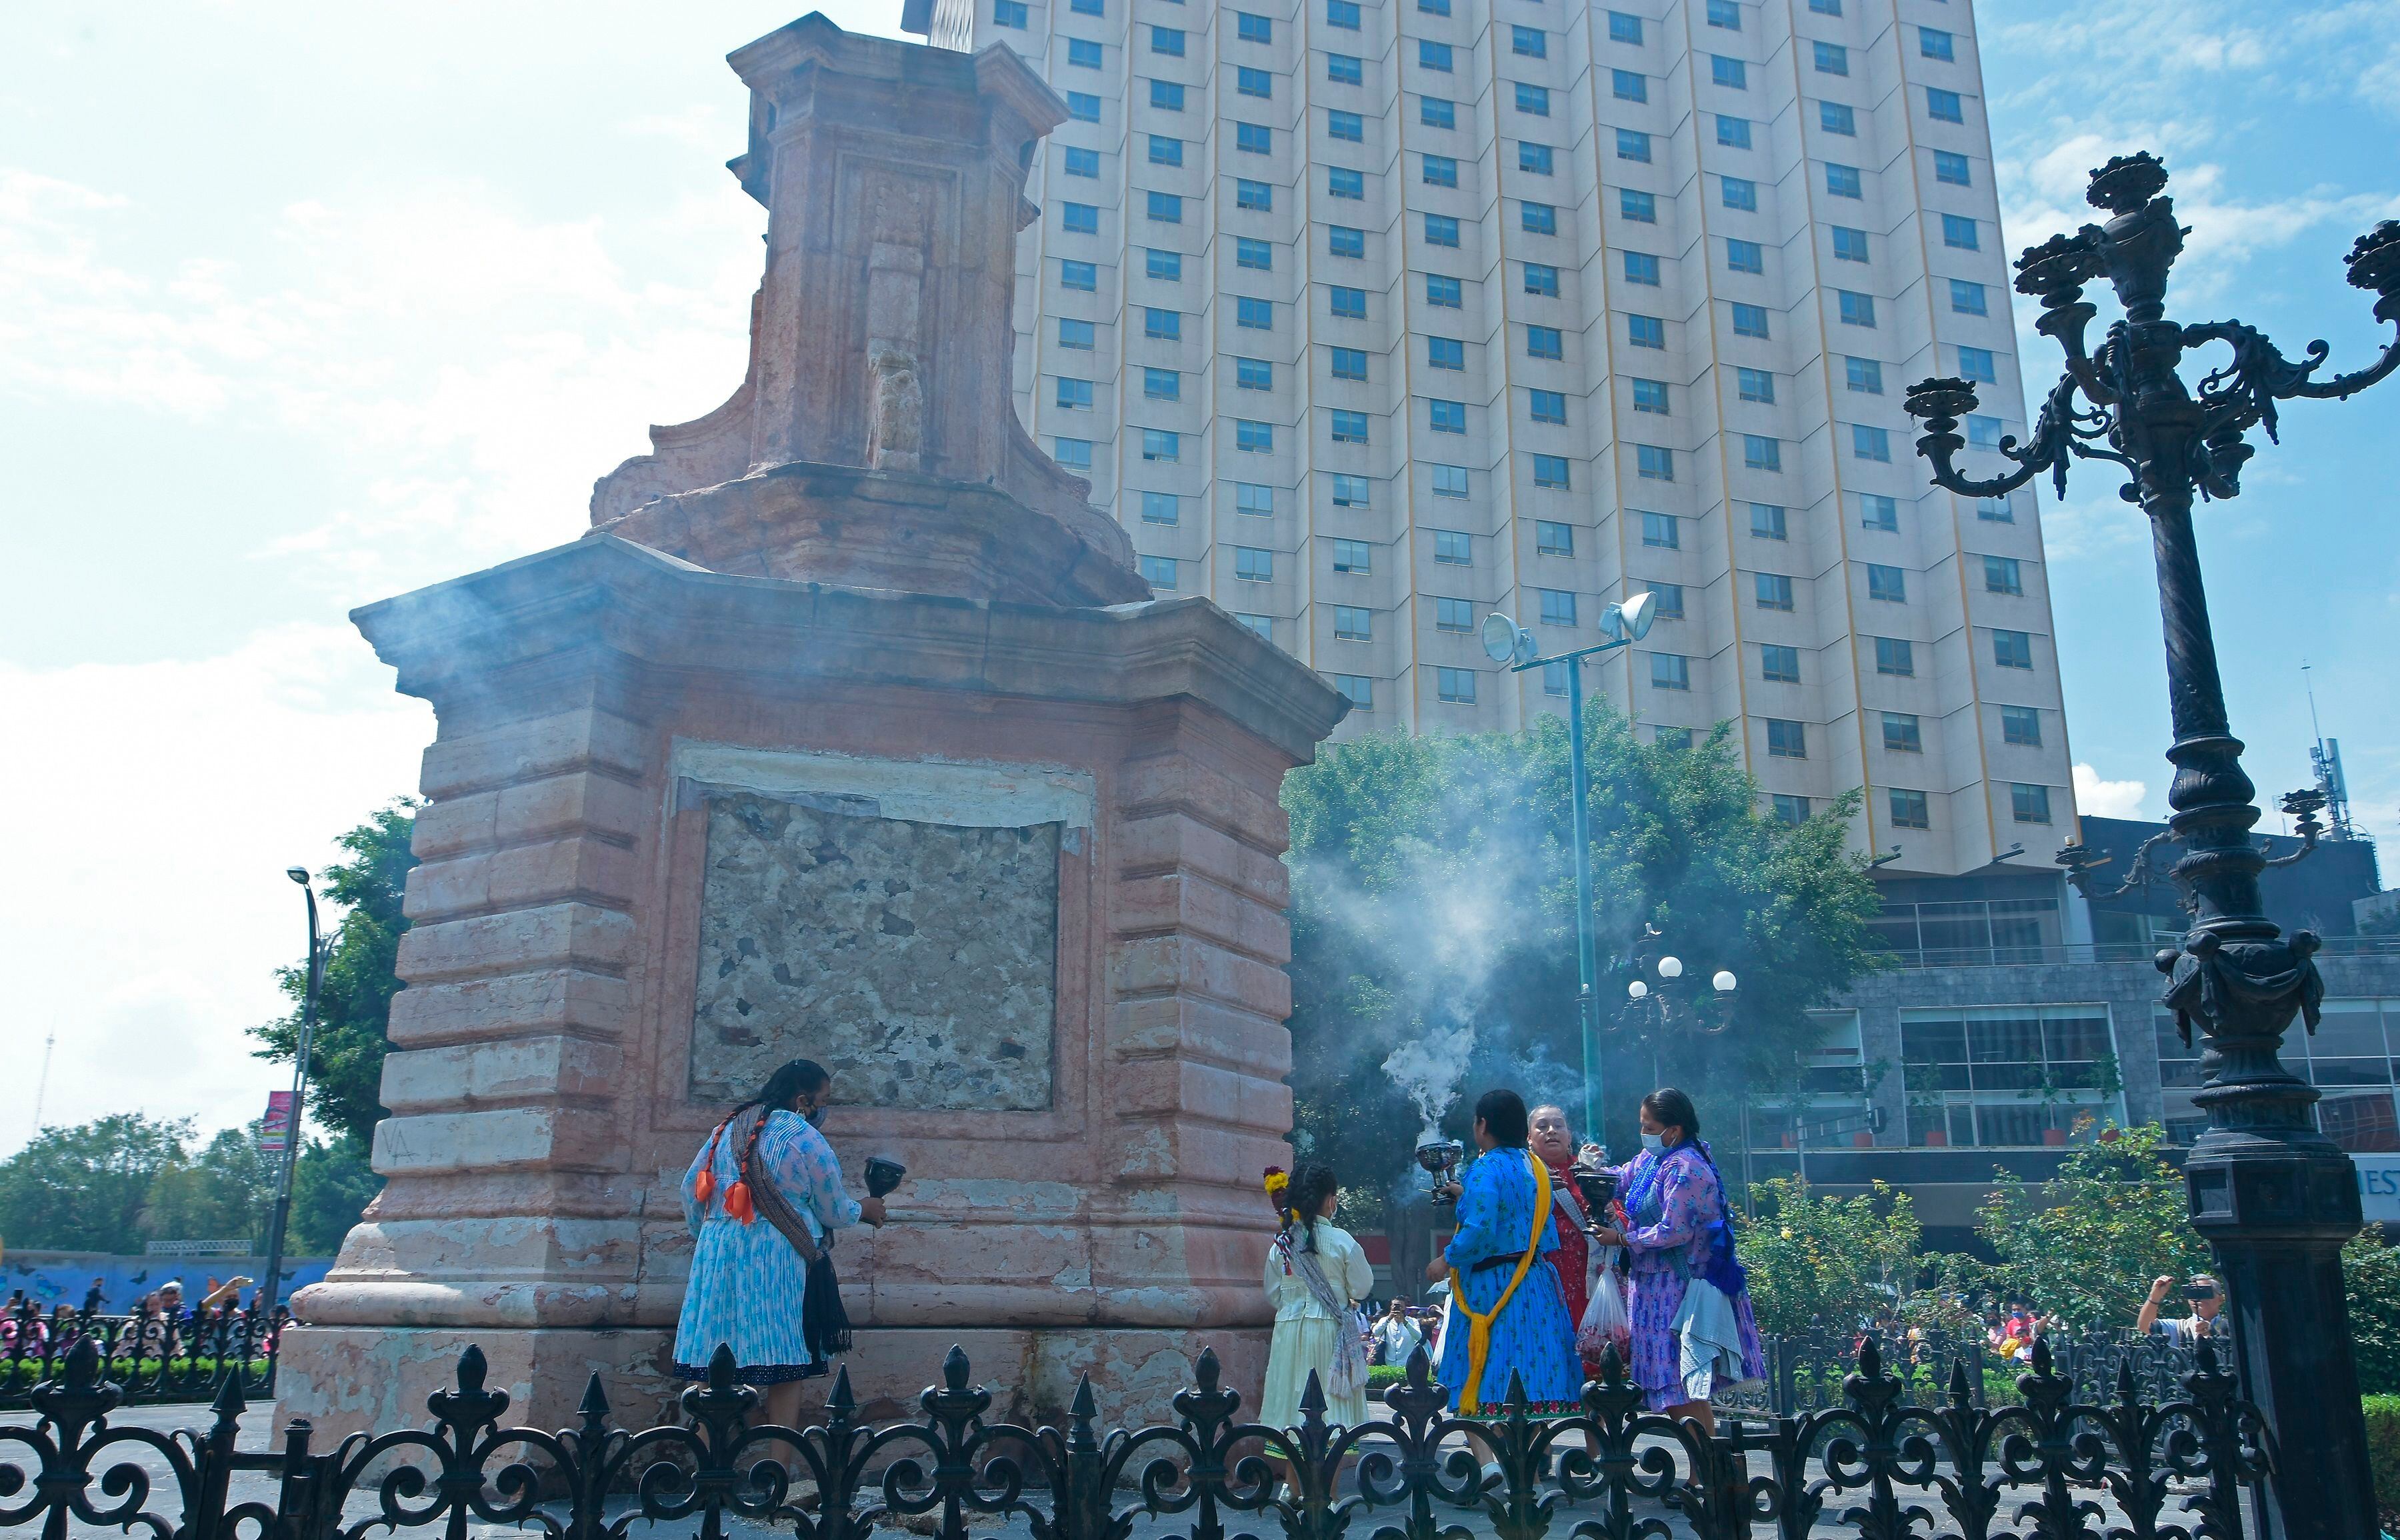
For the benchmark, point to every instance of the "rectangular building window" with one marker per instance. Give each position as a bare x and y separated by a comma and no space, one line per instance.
1850,245
1250,82
1877,511
1535,160
1745,256
1342,14
1739,193
1654,462
2021,725
1345,126
1168,41
1077,335
1639,207
1440,170
1435,112
1165,326
1166,96
1856,310
1666,600
1888,584
1252,28
1831,58
1651,396
1450,481
1259,625
1558,608
1901,734
1533,100
1951,169
1084,275
1084,106
1074,395
1995,511
1545,342
1726,14
1346,302
1162,444
2011,649
1541,279
1161,508
1642,267
2003,575
1958,232
1967,299
1254,314
2029,804
1162,384
1353,623
1349,364
1537,219
1623,28
1645,330
1166,266
1871,443
1343,241
1789,809
1670,670
1350,490
1944,107
1253,438
1550,406
1451,548
1456,685
1165,208
1352,556
1440,230
1550,470
1445,353
1444,291
1786,739
1734,134
1257,255
1165,150
1082,163
1909,810
1253,499
1158,572
1345,183
1933,44
1632,144
1895,657
1349,427
1075,454
1978,364
1253,374
1731,74
1767,521
1433,56
1455,616
1342,69
1836,119
1662,530
1628,85
1761,453
1748,320
1774,590
1252,564
1446,416
1253,139
1864,376
1357,689
1552,538
1778,665
1008,13
1844,182
1754,385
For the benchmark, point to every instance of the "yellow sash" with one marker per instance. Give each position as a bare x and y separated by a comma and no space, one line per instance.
1479,1328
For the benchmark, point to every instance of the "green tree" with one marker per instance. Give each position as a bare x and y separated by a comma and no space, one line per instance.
354,1006
1433,891
2087,1242
87,1188
331,1186
224,1192
1838,1262
2370,1274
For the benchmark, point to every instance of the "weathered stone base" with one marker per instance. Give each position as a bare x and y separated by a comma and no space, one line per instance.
368,1379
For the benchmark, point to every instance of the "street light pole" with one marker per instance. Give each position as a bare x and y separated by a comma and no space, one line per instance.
2273,1195
263,1302
1506,642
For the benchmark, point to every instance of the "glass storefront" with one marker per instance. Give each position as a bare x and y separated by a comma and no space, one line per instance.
2007,1074
2349,1059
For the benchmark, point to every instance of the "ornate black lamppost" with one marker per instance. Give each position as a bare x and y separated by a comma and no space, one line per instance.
2274,1198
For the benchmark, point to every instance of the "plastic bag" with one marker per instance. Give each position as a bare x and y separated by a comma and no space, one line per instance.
1605,1319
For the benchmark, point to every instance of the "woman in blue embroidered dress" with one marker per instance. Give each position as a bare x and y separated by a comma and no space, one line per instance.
1505,1313
764,1181
1675,1235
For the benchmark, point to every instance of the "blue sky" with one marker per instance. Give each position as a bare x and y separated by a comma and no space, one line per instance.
303,305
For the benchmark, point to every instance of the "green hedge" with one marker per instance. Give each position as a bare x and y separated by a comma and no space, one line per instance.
2383,1454
1380,1375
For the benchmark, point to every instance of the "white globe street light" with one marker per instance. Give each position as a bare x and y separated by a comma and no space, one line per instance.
1671,967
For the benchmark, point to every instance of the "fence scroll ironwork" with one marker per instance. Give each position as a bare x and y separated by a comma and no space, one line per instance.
149,1355
1874,1466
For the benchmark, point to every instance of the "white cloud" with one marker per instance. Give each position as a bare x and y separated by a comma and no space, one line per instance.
2107,799
148,812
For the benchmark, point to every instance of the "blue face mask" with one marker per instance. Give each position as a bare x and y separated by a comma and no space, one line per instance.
1655,1143
815,1116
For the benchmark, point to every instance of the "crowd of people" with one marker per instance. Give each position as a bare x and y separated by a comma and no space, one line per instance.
1532,1289
165,1322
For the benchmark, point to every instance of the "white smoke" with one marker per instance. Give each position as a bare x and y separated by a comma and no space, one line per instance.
1427,1069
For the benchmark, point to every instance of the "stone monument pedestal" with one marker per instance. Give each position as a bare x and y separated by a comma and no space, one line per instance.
848,733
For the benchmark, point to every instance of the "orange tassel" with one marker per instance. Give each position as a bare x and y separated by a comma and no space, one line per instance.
705,1188
737,1202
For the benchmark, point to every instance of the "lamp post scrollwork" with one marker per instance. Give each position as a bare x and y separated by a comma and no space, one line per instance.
2273,1196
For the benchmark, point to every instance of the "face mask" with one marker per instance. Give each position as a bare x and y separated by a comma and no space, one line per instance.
815,1116
1654,1142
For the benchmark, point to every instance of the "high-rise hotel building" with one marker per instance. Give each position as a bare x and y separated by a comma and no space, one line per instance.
1371,316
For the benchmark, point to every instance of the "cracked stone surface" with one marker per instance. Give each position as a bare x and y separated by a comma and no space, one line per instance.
916,961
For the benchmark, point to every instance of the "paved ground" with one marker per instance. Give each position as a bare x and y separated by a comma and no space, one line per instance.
257,1432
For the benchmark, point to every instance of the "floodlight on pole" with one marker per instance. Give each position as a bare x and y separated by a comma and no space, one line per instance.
1513,648
263,1302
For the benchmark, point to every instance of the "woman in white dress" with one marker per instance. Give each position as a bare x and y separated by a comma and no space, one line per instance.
1316,1275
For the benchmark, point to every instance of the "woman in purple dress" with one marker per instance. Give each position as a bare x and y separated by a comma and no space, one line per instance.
1688,1342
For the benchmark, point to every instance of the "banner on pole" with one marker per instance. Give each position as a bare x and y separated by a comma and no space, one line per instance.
275,1129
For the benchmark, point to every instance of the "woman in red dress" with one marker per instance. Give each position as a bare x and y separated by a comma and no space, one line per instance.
1553,1144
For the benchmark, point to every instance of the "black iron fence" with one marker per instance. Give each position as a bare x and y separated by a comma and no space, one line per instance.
1874,1466
1809,1372
149,1355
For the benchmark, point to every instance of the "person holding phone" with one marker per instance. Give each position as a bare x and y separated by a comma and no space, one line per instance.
2206,1296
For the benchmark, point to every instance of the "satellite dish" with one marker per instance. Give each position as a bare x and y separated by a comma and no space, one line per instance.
1506,642
1635,614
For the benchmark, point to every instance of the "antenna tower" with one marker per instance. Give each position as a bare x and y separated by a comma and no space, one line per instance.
2324,759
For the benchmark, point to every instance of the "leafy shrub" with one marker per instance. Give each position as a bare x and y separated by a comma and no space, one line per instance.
2383,1454
2371,1278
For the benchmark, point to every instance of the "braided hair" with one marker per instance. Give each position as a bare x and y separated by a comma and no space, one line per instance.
798,1078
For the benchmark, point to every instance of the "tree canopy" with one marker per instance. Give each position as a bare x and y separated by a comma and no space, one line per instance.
1433,903
119,1181
354,1005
